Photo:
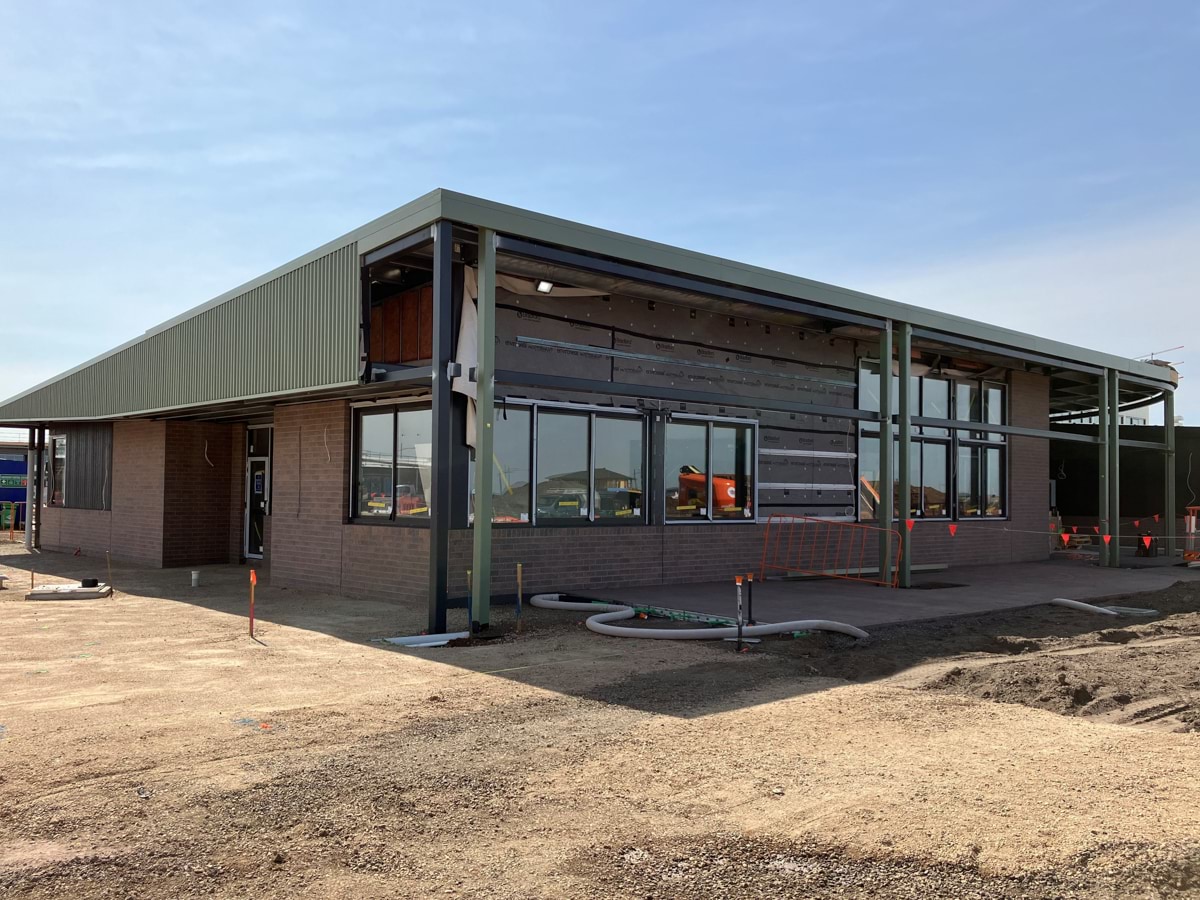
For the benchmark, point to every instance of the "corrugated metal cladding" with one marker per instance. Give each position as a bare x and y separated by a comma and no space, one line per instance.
297,331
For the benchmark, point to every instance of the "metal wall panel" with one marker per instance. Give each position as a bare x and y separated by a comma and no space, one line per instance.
294,332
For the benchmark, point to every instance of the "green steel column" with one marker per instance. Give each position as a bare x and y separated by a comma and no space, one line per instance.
886,473
1102,467
1114,465
485,409
904,356
1169,509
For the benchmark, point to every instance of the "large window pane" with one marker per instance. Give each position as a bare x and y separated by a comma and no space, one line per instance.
935,404
733,467
58,470
968,480
994,409
687,470
618,473
562,465
414,461
993,473
868,387
934,498
868,477
510,466
375,454
966,403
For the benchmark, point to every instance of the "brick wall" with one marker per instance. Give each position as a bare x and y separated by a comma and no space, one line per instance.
237,491
68,530
139,457
312,544
310,489
382,562
198,491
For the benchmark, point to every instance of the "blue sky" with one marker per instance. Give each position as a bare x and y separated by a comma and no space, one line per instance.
1029,164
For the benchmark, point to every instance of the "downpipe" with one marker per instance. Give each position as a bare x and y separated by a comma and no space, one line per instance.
607,613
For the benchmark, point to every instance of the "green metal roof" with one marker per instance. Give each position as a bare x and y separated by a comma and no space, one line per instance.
295,329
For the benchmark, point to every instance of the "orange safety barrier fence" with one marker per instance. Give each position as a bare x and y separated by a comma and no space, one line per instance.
802,545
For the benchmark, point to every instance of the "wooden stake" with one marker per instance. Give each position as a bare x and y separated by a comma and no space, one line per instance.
253,582
108,556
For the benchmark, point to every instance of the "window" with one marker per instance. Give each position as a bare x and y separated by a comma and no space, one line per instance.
686,477
732,452
393,463
589,466
709,470
58,470
510,465
78,467
973,462
562,466
617,467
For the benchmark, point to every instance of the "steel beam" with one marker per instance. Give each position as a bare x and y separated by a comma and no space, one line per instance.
632,272
1114,466
39,492
485,408
904,357
1016,430
443,352
1102,450
887,473
30,464
1169,497
402,245
625,389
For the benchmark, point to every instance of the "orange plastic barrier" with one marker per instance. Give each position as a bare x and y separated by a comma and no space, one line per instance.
802,545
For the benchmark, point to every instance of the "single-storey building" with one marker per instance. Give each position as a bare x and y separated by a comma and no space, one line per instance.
462,385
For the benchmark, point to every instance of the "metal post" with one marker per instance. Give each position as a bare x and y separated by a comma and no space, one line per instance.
30,465
904,356
1169,498
485,408
443,351
886,473
659,479
39,492
1102,462
1114,460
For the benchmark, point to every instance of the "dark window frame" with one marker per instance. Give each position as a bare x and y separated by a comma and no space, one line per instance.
393,409
955,437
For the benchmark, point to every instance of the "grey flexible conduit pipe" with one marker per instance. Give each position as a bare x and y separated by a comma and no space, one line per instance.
606,613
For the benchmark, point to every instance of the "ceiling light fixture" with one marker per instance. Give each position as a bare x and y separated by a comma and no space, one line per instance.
545,287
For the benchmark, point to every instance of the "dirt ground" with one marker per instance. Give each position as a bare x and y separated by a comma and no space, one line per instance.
150,748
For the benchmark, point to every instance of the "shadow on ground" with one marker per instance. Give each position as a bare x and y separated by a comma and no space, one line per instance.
669,678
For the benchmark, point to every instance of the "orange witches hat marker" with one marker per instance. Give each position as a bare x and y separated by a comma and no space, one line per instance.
953,529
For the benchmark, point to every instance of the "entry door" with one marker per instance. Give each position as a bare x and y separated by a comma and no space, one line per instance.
257,487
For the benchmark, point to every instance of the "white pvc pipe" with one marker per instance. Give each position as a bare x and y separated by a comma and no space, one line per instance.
427,640
1085,607
614,612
